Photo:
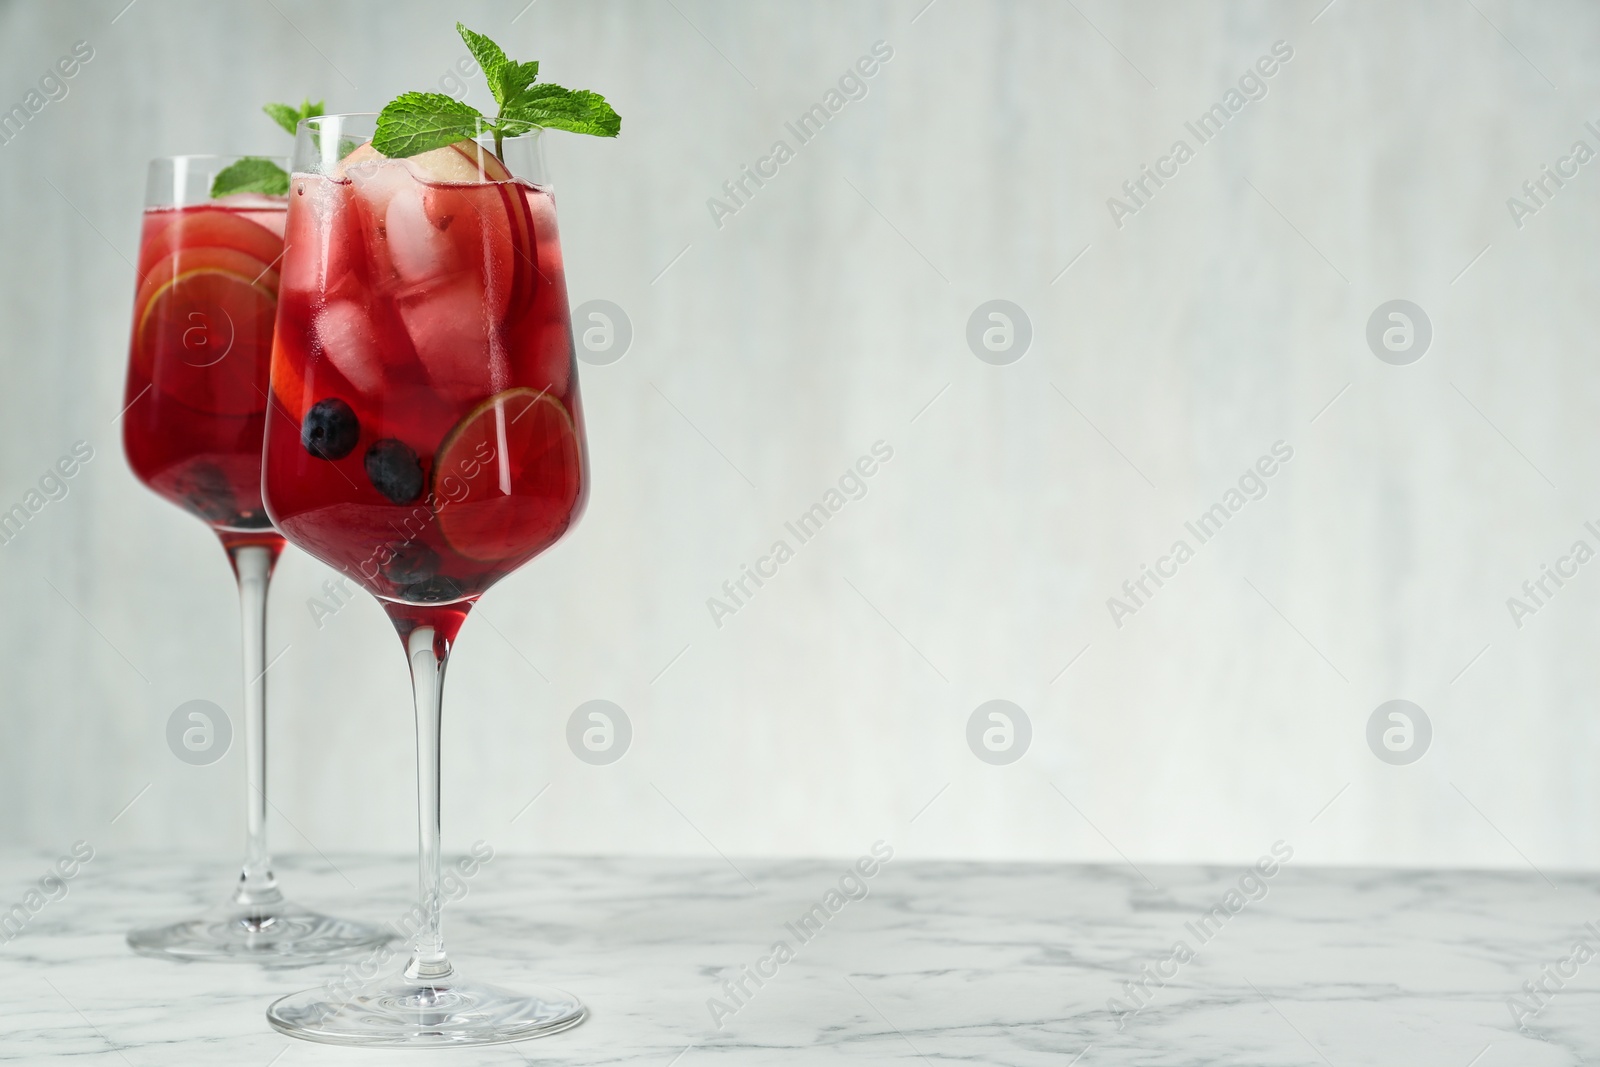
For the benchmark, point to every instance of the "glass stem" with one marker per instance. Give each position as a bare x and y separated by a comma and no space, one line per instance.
428,654
253,564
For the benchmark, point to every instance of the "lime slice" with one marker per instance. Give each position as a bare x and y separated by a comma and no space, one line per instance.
204,330
507,479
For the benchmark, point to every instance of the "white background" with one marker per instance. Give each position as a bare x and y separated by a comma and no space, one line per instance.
826,315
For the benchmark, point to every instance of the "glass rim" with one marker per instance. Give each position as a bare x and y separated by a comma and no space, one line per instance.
188,179
373,115
215,156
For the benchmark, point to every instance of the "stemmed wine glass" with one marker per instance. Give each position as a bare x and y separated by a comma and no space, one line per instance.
425,438
195,407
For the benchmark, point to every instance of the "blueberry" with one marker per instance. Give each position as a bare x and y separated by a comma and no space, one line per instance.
330,429
394,471
411,563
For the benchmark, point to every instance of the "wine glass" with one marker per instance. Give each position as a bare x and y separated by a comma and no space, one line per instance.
425,438
195,406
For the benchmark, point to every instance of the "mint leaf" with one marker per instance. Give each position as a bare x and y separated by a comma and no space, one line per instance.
507,79
283,115
251,175
413,123
514,82
288,116
491,59
420,122
551,106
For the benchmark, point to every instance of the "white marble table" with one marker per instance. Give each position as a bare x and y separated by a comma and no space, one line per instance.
941,963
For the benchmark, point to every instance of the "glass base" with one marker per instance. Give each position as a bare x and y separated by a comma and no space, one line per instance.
401,1012
281,933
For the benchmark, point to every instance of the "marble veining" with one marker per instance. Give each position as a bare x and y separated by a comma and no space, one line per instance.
941,962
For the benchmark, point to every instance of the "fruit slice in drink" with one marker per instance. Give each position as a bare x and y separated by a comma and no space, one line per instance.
204,328
508,476
216,227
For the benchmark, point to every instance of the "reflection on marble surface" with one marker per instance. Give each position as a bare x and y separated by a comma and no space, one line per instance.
940,962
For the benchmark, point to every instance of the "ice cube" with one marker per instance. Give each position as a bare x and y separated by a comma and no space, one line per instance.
378,181
348,340
320,245
418,248
452,332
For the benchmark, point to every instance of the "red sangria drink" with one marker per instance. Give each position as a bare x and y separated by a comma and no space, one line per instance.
192,426
198,358
426,437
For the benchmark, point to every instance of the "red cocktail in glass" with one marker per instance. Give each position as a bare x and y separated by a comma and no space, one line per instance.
192,426
425,438
197,367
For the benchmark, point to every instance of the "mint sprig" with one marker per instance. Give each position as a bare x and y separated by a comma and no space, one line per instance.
251,174
254,174
413,123
288,116
507,79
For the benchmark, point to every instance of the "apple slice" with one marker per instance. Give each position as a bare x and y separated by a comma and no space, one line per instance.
287,376
210,227
156,219
508,477
265,211
465,162
521,282
362,153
